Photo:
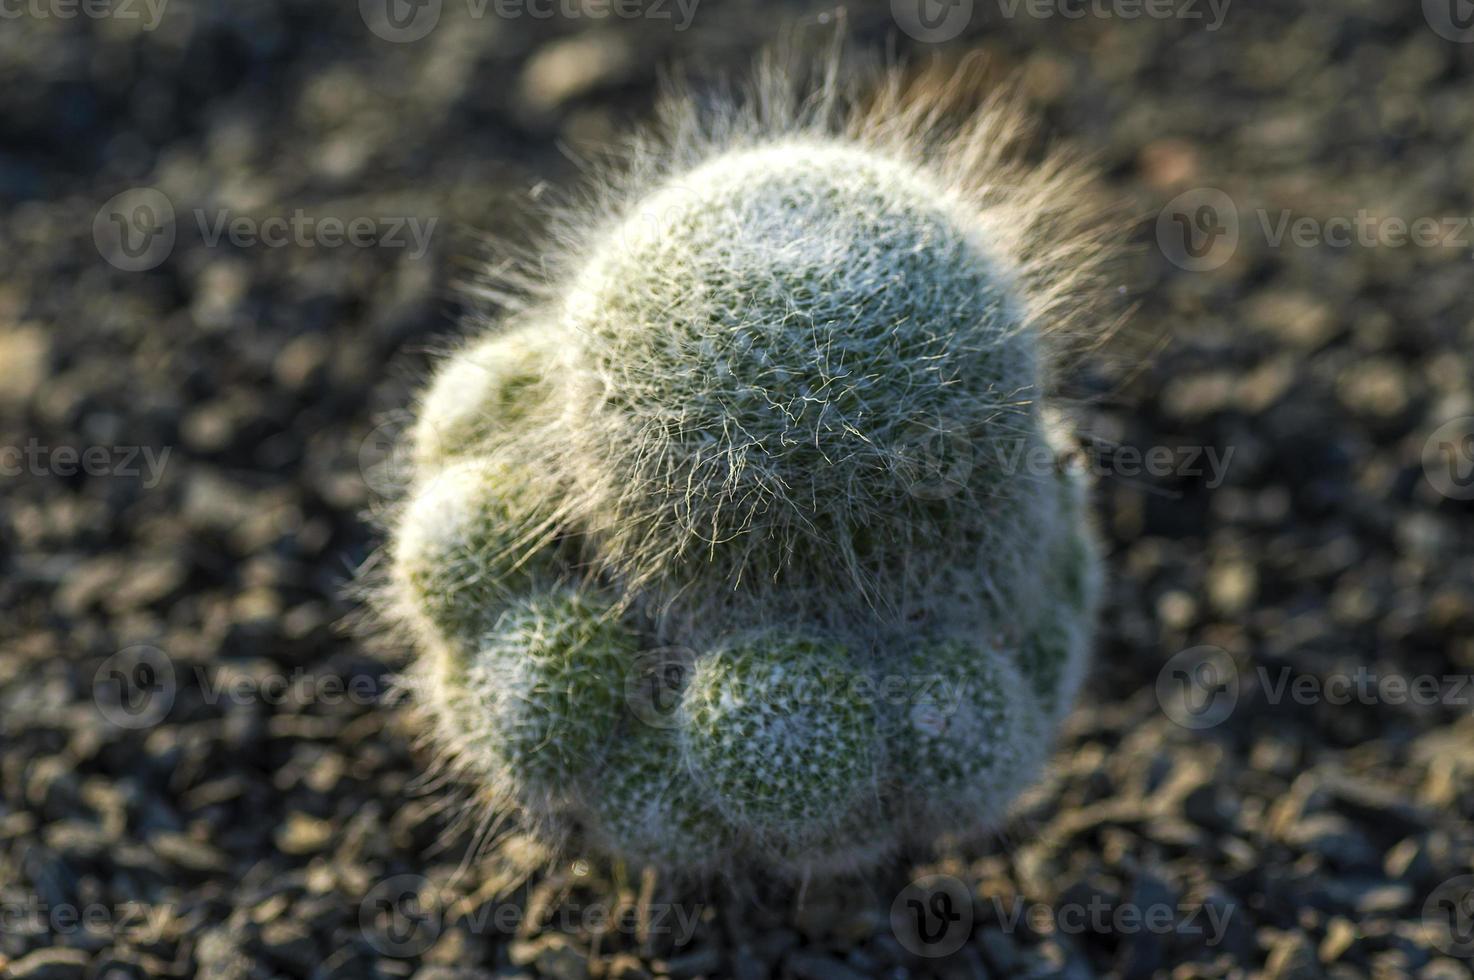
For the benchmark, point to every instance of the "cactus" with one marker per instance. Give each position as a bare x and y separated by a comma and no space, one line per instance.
778,731
972,740
780,399
481,390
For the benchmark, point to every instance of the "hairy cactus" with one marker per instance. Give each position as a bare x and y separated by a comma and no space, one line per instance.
775,409
779,733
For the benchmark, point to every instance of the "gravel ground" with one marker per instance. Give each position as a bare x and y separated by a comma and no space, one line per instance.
200,775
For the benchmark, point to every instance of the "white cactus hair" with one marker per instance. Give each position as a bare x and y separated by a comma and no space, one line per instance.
912,270
1044,235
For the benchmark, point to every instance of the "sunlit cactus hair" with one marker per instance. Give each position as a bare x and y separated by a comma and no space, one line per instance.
776,393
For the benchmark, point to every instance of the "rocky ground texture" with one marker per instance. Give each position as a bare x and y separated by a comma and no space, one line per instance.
1271,773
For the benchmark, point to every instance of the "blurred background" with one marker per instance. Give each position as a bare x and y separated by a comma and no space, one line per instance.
229,237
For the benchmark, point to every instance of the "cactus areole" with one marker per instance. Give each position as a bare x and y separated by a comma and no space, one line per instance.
745,538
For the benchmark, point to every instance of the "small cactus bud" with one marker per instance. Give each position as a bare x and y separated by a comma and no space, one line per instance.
486,389
465,544
646,807
971,734
779,730
547,686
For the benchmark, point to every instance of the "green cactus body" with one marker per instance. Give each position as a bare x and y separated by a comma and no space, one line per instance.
647,808
1049,658
780,405
968,735
778,349
486,389
781,733
467,544
549,682
1054,651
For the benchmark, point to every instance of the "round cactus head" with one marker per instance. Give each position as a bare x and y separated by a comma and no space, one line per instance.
967,736
647,808
779,406
484,391
781,733
549,676
771,341
469,539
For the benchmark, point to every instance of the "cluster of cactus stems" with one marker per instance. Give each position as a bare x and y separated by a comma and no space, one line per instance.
722,547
